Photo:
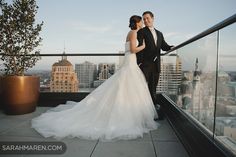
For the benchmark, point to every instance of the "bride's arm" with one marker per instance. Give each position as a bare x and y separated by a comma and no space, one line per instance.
133,43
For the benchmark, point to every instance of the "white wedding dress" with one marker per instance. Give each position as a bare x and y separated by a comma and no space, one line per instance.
120,108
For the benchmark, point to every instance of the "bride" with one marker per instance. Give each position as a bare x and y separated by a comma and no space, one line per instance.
120,108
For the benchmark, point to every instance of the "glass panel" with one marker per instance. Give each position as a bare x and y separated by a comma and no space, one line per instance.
192,79
225,128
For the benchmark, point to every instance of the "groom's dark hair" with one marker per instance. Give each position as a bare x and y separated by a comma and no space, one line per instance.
148,12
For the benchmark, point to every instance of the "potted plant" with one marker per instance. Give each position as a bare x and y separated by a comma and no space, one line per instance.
19,38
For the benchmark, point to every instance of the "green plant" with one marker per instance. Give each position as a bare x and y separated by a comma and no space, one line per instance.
19,36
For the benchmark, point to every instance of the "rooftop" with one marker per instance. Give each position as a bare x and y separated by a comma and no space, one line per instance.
162,142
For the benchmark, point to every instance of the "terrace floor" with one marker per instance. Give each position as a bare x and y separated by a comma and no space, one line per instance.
162,142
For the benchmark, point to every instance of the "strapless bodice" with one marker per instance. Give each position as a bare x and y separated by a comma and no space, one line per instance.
127,46
130,58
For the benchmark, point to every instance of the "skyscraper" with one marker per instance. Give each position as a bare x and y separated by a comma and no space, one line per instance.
202,98
171,73
63,77
87,73
105,70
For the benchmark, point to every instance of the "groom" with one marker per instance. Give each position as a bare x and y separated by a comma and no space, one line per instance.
149,58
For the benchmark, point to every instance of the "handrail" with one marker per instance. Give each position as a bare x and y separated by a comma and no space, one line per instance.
214,28
84,54
73,54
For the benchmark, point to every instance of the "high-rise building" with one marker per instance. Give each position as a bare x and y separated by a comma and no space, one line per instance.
170,76
63,77
87,73
202,99
105,70
197,93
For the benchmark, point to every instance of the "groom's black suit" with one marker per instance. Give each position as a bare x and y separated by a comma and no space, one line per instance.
149,59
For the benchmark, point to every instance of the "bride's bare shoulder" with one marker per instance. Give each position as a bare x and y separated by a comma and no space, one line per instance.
131,34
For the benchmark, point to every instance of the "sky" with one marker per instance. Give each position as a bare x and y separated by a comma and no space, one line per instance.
101,26
91,26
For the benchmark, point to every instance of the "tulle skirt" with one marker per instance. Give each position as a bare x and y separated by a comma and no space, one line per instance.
120,108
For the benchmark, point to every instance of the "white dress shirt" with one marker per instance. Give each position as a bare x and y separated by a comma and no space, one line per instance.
154,34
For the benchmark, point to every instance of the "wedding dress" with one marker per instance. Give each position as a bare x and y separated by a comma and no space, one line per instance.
120,108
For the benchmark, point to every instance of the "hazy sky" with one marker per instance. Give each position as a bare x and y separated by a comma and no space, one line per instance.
101,26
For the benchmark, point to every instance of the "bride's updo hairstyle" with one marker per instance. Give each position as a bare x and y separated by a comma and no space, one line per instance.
133,21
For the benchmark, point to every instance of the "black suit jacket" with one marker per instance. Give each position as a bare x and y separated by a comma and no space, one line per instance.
151,51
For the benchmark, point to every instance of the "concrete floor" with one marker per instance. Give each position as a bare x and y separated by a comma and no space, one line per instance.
158,143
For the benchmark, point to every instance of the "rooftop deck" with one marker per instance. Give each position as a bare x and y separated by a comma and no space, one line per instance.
162,142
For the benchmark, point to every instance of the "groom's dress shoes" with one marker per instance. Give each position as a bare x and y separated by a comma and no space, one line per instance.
159,112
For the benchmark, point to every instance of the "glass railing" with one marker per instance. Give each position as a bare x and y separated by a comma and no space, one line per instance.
202,82
225,120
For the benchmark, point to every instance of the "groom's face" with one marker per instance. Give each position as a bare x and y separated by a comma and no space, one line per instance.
148,20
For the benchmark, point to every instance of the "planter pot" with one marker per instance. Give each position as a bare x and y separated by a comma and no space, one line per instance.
1,104
20,94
